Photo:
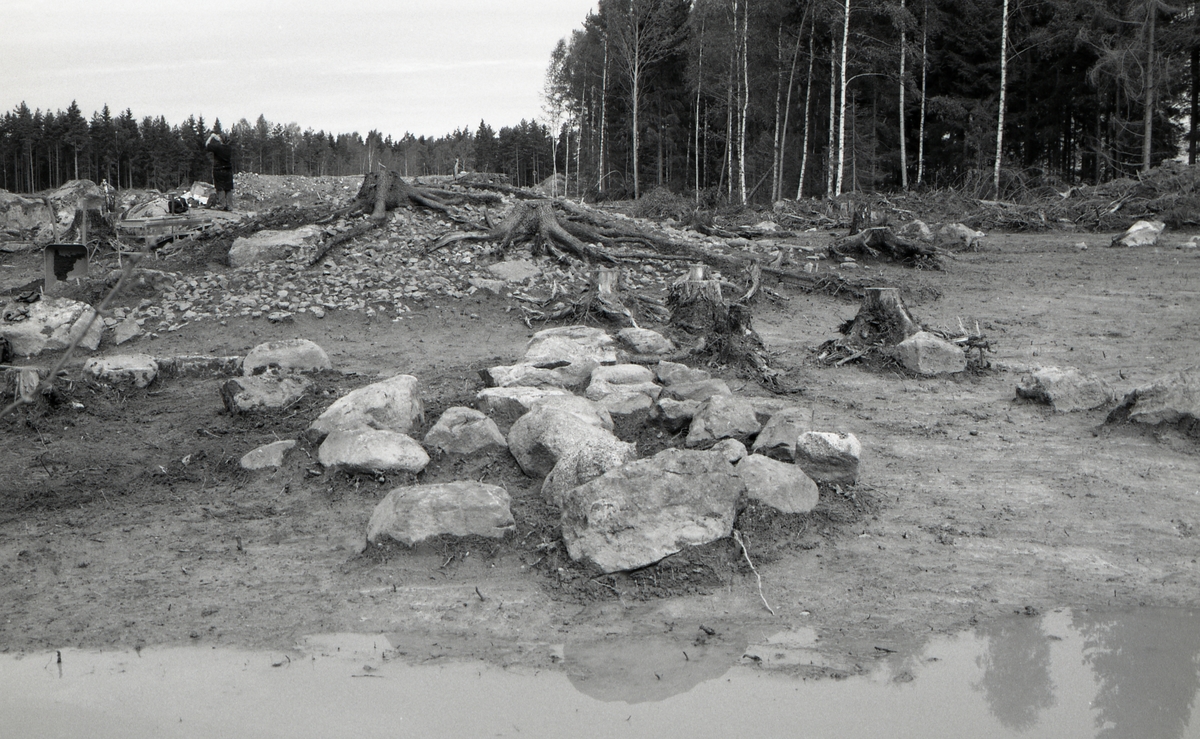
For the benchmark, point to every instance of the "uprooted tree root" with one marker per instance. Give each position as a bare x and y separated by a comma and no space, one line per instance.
880,241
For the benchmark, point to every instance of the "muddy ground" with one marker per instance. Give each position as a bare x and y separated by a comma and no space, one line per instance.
125,520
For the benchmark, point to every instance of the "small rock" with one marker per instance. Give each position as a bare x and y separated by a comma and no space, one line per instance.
540,438
927,354
674,415
732,450
782,486
829,457
672,373
723,417
126,330
270,455
465,431
779,436
300,355
645,341
1141,233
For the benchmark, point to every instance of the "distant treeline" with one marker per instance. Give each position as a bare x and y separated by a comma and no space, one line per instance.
43,149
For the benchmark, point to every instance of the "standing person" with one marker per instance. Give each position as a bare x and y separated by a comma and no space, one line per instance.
222,155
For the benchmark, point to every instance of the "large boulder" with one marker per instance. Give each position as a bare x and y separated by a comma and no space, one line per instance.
1173,398
262,392
271,246
369,450
928,354
137,370
51,324
393,404
723,417
638,513
465,431
829,457
779,435
780,485
1065,389
540,438
268,456
410,515
300,355
25,220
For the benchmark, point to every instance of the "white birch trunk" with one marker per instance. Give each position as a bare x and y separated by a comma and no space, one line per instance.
924,66
903,143
807,115
1148,113
1003,90
841,146
832,156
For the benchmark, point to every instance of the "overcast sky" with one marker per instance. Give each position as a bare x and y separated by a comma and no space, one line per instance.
425,66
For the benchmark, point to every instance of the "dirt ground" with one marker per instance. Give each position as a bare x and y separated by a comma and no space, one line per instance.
125,520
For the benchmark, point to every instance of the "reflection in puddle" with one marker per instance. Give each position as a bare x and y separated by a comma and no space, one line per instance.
1062,674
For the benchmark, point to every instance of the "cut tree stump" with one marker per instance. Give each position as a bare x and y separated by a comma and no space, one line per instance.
882,319
718,328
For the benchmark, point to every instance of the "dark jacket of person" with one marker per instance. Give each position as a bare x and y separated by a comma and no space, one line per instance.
222,154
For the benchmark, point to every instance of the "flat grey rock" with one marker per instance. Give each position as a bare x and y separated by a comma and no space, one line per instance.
1065,389
262,392
268,456
370,450
411,515
137,370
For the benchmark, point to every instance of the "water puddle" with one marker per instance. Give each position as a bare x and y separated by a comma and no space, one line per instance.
1061,674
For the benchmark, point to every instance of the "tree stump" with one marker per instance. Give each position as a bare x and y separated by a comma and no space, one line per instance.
882,319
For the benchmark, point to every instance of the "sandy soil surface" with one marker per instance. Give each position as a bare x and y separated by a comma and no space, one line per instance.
126,521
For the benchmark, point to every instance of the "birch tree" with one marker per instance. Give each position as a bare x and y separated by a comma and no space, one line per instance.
1003,91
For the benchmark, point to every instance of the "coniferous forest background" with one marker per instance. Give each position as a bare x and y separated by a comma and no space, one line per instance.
746,101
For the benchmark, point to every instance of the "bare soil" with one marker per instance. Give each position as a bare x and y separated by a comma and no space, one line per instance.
126,521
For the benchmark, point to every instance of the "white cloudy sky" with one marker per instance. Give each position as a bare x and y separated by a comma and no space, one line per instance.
425,66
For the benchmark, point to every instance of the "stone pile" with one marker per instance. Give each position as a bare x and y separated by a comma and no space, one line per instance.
618,512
